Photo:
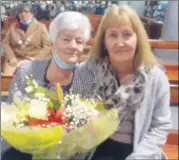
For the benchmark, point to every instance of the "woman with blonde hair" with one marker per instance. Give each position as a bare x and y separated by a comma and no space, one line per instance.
124,74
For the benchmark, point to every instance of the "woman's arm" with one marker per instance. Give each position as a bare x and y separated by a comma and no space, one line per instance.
17,85
46,49
9,53
160,125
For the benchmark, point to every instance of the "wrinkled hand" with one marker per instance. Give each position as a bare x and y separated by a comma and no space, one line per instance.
13,62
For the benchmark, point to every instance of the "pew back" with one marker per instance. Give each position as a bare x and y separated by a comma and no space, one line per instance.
5,84
153,28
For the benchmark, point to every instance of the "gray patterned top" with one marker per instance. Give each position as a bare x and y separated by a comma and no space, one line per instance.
36,69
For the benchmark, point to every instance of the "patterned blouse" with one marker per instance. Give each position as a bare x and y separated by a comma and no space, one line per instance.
37,69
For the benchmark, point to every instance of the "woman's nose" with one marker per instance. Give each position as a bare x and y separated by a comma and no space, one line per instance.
23,13
73,44
120,42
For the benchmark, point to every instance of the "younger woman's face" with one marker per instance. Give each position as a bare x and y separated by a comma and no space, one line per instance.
121,43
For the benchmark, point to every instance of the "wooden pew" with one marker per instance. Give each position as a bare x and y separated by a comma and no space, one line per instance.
171,146
5,84
172,73
172,70
163,44
2,62
150,25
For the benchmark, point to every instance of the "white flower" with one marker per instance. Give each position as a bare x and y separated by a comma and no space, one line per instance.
38,109
4,117
29,89
34,83
39,95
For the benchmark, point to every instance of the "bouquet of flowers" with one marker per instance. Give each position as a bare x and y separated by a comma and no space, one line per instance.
51,125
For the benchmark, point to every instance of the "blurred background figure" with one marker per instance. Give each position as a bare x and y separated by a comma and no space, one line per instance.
43,12
100,7
52,10
27,39
3,14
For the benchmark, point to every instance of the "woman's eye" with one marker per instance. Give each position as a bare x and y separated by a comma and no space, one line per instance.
113,35
127,35
79,42
66,39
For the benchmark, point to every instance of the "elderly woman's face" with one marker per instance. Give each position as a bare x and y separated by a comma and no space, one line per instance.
69,45
25,15
120,43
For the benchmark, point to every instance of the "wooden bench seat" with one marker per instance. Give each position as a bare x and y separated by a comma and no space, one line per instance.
5,84
171,151
172,73
171,146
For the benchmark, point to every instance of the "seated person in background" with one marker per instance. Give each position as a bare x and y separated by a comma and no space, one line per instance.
2,25
43,12
25,40
68,36
3,14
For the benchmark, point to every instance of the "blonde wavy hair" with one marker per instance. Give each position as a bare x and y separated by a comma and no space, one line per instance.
124,15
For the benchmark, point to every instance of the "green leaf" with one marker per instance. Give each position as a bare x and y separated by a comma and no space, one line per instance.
57,105
51,94
21,104
50,104
40,90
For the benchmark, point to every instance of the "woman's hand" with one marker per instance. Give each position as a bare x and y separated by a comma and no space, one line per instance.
13,62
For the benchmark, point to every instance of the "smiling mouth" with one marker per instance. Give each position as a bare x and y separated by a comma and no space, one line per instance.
120,52
72,54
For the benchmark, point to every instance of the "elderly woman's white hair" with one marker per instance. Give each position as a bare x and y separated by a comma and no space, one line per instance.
69,20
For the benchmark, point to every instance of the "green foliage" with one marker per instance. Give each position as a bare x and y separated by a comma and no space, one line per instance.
33,88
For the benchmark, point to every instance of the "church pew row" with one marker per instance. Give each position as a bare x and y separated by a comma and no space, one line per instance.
153,28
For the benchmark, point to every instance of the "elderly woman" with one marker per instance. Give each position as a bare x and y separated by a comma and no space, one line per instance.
68,36
123,73
27,39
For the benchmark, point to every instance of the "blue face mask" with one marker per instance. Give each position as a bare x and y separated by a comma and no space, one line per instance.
62,64
27,22
43,7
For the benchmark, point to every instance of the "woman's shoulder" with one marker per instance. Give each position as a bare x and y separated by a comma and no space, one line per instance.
34,66
88,65
85,71
40,24
159,73
159,78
